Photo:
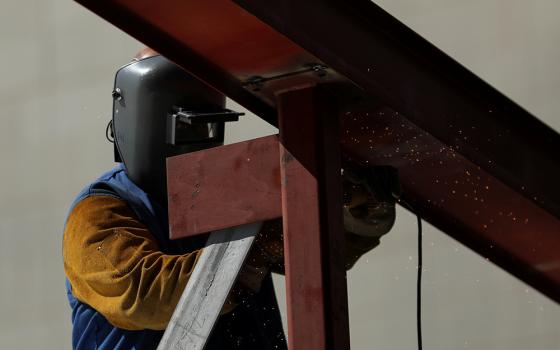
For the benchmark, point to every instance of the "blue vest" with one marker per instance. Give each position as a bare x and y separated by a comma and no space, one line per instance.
253,325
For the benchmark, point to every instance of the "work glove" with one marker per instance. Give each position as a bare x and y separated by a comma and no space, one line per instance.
369,196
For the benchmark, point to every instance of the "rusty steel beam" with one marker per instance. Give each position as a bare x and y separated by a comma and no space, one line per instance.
224,187
392,63
312,217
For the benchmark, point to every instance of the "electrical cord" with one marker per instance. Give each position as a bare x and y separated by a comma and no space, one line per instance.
419,273
419,285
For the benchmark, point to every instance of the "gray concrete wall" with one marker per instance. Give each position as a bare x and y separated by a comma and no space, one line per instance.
56,70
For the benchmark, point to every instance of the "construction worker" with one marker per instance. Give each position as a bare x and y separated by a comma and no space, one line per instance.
124,275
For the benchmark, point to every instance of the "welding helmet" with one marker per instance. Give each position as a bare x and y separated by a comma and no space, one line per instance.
159,110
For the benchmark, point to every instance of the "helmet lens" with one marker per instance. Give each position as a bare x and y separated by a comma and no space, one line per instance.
186,133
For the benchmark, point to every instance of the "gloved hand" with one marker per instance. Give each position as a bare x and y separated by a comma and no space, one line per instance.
369,196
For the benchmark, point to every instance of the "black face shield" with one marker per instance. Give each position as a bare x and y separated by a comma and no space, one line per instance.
159,111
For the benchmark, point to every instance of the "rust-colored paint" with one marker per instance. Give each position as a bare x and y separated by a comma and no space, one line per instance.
222,31
303,266
224,187
312,217
226,45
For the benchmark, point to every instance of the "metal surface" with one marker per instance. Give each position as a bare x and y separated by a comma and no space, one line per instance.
191,117
461,121
205,294
430,89
312,218
224,187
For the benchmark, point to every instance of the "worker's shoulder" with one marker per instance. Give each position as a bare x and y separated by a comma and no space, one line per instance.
101,210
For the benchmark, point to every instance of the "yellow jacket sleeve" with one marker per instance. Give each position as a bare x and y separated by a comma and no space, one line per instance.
115,265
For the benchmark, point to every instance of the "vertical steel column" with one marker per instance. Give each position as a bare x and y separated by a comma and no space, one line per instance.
312,215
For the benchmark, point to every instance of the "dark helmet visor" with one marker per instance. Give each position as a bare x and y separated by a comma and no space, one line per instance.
186,133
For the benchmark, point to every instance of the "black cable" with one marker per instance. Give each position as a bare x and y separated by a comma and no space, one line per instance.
419,275
419,285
